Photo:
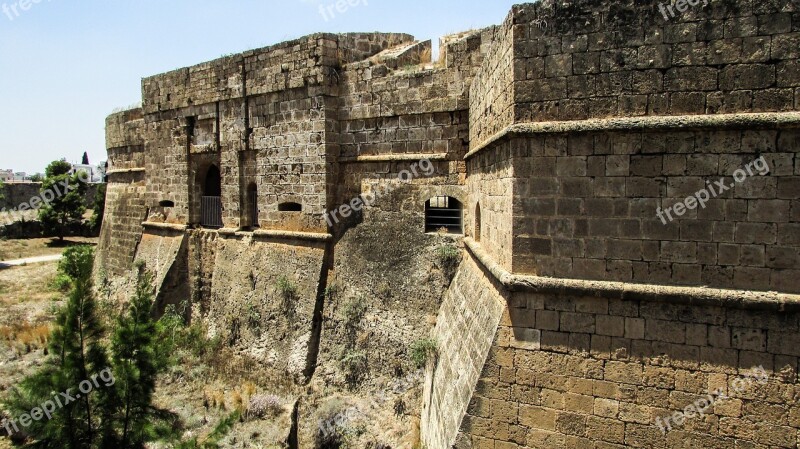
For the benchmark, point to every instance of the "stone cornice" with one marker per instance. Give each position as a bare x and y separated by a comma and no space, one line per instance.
649,123
695,296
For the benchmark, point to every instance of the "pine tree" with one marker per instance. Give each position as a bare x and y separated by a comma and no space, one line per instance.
137,362
76,357
85,159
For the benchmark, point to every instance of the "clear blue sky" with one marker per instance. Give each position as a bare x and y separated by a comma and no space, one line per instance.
66,64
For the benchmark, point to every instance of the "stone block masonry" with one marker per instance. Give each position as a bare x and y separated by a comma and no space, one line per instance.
696,101
588,371
577,317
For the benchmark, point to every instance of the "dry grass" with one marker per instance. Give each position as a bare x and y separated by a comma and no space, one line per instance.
27,286
23,248
25,338
426,56
26,299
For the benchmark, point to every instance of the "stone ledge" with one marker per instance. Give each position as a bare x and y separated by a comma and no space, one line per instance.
651,123
126,170
695,296
164,226
313,236
396,157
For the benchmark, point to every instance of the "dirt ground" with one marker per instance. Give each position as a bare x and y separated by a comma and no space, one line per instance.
201,390
28,301
19,249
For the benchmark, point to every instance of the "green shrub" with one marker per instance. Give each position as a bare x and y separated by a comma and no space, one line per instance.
354,311
354,365
77,262
286,288
448,258
254,318
61,283
424,350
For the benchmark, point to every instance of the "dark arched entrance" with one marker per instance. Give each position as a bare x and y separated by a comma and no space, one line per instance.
211,202
443,213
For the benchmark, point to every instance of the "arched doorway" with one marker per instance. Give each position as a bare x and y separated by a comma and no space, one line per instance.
211,201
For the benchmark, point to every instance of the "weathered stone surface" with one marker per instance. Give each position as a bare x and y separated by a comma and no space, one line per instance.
563,132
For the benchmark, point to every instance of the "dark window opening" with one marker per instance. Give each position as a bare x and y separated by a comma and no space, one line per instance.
166,203
211,202
478,222
290,207
191,122
444,213
252,205
213,184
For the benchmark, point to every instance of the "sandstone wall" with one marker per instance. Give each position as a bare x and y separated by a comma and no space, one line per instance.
159,250
589,197
492,91
122,227
262,301
589,205
600,59
584,371
466,325
491,185
126,192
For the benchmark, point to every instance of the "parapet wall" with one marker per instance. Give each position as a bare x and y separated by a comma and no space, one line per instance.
492,91
627,59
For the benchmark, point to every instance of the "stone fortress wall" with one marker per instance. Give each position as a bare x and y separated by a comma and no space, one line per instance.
576,317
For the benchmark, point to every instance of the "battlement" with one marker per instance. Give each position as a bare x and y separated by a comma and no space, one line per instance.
302,62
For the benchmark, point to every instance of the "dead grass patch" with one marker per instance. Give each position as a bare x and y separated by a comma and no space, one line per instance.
25,338
11,249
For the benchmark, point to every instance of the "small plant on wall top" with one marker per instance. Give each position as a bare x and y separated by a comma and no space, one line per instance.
354,365
424,350
254,318
448,258
287,291
353,312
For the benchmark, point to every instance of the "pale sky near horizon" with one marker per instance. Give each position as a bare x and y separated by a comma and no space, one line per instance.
66,64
